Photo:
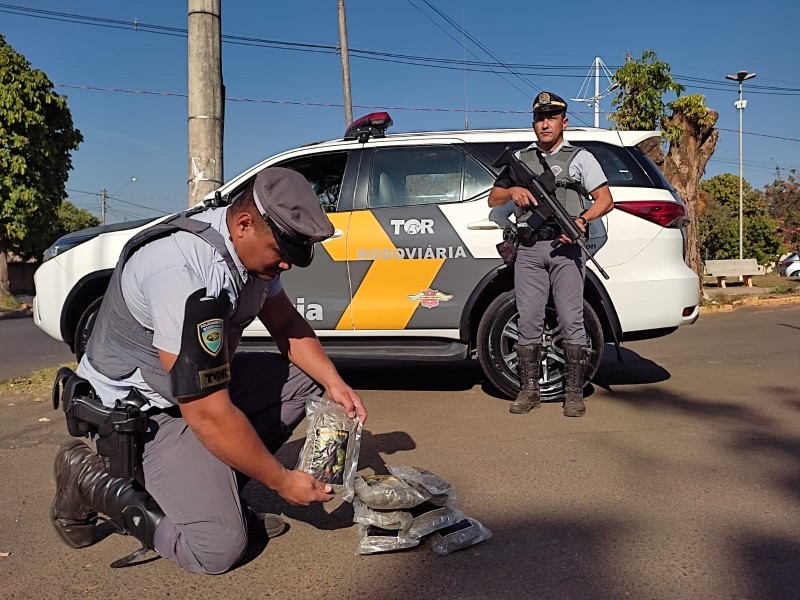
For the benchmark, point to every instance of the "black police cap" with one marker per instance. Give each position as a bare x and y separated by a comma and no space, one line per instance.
548,102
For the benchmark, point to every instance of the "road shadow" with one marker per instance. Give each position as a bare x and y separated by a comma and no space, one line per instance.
633,370
444,376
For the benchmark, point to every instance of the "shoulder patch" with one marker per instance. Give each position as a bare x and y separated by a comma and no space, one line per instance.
210,334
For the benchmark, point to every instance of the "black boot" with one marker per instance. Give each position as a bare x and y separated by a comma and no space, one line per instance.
71,516
530,359
132,510
575,359
84,488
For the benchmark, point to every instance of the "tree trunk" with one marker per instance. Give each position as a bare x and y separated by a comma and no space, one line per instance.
5,281
683,165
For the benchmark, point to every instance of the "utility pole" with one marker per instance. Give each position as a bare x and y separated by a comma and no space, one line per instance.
348,103
597,69
103,203
206,99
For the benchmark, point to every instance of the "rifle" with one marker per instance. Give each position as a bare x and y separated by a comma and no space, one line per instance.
548,207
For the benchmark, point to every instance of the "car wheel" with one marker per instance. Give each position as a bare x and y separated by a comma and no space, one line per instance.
84,328
497,347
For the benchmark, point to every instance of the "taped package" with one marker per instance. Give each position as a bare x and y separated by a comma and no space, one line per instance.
386,492
431,486
457,536
333,440
429,517
372,540
395,520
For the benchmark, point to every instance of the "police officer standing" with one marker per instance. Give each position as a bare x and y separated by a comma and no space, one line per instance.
539,267
179,298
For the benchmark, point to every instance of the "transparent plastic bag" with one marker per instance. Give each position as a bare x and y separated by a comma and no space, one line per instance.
429,517
386,492
333,440
372,540
457,536
396,520
431,486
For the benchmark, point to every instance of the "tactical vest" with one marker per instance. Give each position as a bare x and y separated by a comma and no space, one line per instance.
119,344
569,199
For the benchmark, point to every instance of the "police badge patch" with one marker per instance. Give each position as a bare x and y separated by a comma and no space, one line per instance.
210,333
556,169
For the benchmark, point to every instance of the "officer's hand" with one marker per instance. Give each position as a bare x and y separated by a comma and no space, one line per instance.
580,224
522,197
298,487
346,397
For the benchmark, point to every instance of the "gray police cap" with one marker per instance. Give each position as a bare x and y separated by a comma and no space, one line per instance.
293,212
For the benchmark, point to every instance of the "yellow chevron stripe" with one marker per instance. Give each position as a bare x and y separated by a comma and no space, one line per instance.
381,300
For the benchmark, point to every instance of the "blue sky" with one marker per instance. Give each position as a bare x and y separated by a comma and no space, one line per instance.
143,136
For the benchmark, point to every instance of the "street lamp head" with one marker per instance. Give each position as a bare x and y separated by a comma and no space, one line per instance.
740,76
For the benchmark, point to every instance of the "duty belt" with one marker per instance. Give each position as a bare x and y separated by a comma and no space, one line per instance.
543,233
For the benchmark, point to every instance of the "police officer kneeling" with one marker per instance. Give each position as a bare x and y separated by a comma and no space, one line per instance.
163,344
538,266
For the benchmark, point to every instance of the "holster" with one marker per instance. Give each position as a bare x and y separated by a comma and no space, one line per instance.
508,247
116,431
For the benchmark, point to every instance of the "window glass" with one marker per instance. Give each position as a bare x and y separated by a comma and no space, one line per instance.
324,172
618,165
418,175
477,180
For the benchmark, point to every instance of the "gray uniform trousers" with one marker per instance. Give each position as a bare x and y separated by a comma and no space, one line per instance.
204,529
538,268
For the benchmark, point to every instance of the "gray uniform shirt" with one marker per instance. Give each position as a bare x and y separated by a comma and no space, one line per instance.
584,169
157,280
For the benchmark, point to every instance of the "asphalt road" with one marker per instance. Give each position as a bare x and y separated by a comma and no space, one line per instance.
25,348
683,481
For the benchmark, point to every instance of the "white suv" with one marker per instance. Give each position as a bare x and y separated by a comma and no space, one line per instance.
412,271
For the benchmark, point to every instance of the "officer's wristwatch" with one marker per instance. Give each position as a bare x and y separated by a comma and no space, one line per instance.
585,222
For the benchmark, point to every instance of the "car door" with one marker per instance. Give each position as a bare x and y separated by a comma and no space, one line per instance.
409,263
321,291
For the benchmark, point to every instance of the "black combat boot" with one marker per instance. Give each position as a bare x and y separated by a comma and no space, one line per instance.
72,518
84,488
530,359
575,359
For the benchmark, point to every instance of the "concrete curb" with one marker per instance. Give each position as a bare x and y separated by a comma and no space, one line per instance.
16,313
754,301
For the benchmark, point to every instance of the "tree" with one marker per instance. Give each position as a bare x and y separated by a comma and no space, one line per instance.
783,201
688,130
71,218
36,138
719,224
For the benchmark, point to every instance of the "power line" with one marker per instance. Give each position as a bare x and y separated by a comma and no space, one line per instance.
517,69
366,106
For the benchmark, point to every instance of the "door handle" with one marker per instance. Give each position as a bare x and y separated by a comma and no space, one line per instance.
337,233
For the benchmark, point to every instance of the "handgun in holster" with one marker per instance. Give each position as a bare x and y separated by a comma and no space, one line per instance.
116,431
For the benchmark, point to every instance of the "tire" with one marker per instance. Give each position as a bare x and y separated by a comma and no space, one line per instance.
497,347
84,327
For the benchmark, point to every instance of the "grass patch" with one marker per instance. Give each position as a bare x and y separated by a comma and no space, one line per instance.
37,383
782,289
715,299
9,303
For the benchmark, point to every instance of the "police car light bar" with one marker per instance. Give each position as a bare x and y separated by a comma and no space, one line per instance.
371,125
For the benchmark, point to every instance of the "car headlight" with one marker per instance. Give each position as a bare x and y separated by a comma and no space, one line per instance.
60,246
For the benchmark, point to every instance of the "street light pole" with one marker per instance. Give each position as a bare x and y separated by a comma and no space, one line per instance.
740,106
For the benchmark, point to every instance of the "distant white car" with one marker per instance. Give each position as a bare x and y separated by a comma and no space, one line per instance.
790,266
413,270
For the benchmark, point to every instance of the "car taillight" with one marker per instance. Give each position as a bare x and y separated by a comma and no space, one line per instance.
666,214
